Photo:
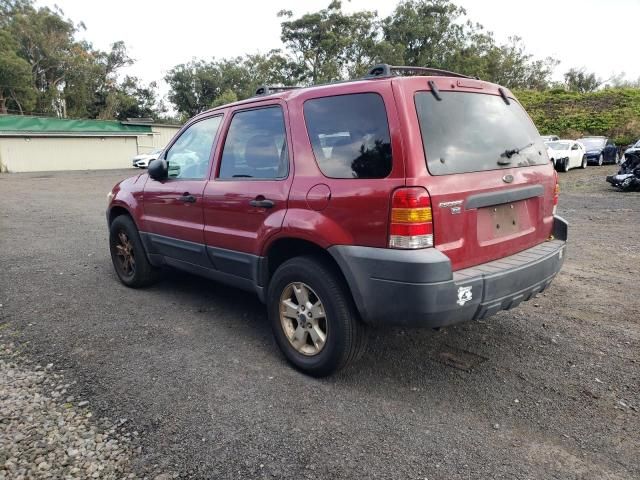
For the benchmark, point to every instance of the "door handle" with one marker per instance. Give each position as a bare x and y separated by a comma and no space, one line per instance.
187,198
261,202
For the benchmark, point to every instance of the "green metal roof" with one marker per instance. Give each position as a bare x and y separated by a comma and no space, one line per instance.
24,125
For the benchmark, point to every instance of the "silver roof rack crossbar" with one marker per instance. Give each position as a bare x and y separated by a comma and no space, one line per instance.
269,89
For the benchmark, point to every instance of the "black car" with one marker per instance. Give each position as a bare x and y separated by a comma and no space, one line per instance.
600,150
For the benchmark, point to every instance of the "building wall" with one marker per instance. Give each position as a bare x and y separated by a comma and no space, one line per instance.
33,154
162,135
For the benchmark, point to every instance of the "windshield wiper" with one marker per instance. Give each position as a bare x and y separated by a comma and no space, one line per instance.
511,152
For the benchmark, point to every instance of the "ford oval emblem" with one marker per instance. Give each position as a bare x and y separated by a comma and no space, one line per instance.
507,178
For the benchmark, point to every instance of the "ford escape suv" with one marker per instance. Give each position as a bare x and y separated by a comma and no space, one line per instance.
411,197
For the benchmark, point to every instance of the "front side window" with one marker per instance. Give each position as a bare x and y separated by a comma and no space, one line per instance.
256,146
350,135
189,156
473,132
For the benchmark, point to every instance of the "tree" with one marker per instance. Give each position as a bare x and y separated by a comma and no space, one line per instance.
51,72
328,43
426,33
579,80
434,33
199,85
16,89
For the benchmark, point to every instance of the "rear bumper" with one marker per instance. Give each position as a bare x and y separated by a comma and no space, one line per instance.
417,288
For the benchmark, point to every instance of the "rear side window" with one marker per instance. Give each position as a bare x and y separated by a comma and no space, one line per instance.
350,135
473,132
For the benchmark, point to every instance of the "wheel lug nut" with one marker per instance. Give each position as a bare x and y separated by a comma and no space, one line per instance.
309,314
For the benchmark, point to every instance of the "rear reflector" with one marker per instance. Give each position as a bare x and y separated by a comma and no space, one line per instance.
411,224
556,193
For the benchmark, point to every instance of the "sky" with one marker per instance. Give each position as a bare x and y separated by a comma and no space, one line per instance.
595,34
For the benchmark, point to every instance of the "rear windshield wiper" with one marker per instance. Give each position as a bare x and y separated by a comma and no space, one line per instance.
507,154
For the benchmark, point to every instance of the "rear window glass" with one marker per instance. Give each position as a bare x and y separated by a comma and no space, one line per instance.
350,135
472,132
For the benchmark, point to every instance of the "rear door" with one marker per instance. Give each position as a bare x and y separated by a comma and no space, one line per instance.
247,200
484,164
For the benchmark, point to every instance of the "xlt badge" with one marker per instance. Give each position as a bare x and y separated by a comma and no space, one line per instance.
454,205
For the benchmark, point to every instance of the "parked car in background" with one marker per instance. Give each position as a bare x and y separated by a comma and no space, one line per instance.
566,154
389,200
600,150
143,160
550,138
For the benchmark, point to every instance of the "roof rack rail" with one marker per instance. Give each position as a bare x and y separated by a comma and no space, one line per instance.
269,89
384,70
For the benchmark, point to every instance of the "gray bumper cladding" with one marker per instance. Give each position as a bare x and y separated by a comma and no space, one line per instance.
417,287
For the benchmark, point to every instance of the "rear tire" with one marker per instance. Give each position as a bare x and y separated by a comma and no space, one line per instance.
128,254
308,286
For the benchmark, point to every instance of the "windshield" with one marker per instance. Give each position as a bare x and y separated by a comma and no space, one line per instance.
637,144
592,143
558,145
471,132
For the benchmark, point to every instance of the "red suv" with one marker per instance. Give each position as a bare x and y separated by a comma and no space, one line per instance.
416,200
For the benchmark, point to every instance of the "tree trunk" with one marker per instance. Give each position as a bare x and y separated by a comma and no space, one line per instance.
15,99
3,105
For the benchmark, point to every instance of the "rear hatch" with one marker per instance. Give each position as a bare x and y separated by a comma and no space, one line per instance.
484,164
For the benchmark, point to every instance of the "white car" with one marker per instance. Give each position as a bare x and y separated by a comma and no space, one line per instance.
142,160
566,154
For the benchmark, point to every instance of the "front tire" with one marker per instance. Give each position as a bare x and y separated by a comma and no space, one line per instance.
565,165
313,317
584,162
128,255
600,160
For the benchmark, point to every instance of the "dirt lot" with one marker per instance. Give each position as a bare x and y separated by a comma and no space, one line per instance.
549,390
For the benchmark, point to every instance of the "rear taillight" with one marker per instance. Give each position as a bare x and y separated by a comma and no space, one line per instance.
556,193
411,223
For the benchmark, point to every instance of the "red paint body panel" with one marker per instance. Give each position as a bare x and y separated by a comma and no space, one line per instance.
353,211
165,214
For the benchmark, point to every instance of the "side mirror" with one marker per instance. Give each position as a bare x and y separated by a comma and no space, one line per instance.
574,147
158,169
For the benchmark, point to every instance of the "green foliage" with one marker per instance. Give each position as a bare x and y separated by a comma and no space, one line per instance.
199,85
578,80
43,69
614,112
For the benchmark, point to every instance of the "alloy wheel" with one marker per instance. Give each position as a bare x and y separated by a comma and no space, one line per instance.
124,252
303,319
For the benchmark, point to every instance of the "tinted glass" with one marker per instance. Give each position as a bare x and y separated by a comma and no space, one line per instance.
471,132
350,135
256,145
189,156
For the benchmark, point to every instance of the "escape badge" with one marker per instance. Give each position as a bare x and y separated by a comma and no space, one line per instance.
464,295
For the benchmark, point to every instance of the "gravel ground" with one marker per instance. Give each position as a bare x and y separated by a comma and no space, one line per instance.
45,433
548,390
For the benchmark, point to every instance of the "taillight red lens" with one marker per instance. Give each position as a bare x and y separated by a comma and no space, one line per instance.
411,219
